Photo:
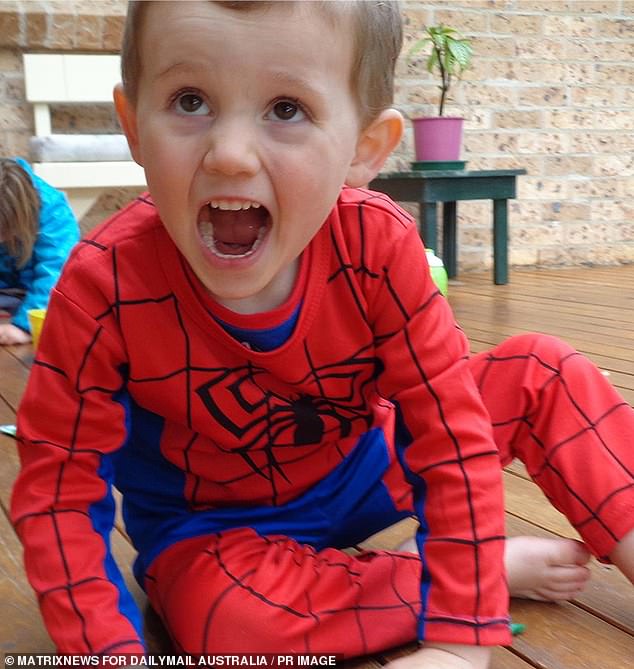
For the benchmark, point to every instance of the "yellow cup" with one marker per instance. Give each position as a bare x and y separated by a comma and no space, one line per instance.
36,320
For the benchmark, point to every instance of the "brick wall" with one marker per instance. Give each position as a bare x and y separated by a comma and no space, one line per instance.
551,90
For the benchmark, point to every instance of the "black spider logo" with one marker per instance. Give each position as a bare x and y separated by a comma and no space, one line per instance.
329,402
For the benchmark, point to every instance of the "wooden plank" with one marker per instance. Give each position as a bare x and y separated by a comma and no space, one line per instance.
14,376
524,297
567,287
573,294
598,315
542,318
525,500
595,315
518,468
23,353
580,341
563,636
392,537
9,468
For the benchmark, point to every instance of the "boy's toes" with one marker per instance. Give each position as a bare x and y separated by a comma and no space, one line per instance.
568,552
561,584
569,578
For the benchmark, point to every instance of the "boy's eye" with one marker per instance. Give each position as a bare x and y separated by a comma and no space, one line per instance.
191,104
287,110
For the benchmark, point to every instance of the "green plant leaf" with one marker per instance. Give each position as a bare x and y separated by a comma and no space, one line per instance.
461,52
418,46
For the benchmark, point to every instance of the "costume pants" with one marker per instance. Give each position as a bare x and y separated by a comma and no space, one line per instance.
11,299
237,591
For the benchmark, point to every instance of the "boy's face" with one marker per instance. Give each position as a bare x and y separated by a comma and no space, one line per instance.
247,128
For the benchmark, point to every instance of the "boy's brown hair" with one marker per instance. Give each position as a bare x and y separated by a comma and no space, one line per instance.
19,211
377,34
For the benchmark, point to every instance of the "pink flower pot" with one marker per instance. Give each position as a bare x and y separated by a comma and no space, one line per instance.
438,138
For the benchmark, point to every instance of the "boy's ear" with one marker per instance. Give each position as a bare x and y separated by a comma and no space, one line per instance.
375,144
127,118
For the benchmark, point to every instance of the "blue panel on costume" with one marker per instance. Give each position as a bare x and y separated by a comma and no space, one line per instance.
403,439
101,515
346,507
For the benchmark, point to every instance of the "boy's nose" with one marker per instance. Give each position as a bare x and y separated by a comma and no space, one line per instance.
231,151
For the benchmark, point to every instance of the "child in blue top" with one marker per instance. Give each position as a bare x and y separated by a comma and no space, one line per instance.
37,231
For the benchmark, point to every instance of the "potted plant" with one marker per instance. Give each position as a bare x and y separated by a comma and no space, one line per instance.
439,138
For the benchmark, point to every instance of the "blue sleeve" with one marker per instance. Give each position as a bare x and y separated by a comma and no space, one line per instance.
57,235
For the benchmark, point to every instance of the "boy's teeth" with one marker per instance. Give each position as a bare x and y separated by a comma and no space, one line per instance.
228,205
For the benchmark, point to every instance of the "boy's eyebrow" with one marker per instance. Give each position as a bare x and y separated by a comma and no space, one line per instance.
296,81
181,65
283,78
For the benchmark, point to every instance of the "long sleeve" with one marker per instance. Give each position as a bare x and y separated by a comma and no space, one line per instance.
445,446
58,233
62,506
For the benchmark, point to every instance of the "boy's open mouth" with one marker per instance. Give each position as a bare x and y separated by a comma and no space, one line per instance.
232,229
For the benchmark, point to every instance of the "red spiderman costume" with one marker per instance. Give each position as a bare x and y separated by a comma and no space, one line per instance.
245,471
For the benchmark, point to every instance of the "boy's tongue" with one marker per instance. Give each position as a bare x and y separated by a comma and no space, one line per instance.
235,232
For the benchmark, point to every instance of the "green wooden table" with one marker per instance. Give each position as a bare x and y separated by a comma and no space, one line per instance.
428,187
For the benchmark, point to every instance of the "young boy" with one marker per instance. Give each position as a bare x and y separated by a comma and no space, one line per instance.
37,232
258,359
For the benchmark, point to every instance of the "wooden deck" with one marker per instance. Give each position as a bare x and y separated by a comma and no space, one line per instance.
591,308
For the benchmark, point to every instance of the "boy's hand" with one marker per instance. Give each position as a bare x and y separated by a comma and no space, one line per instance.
10,334
445,656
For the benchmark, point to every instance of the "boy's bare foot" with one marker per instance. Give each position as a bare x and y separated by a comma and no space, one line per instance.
550,570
